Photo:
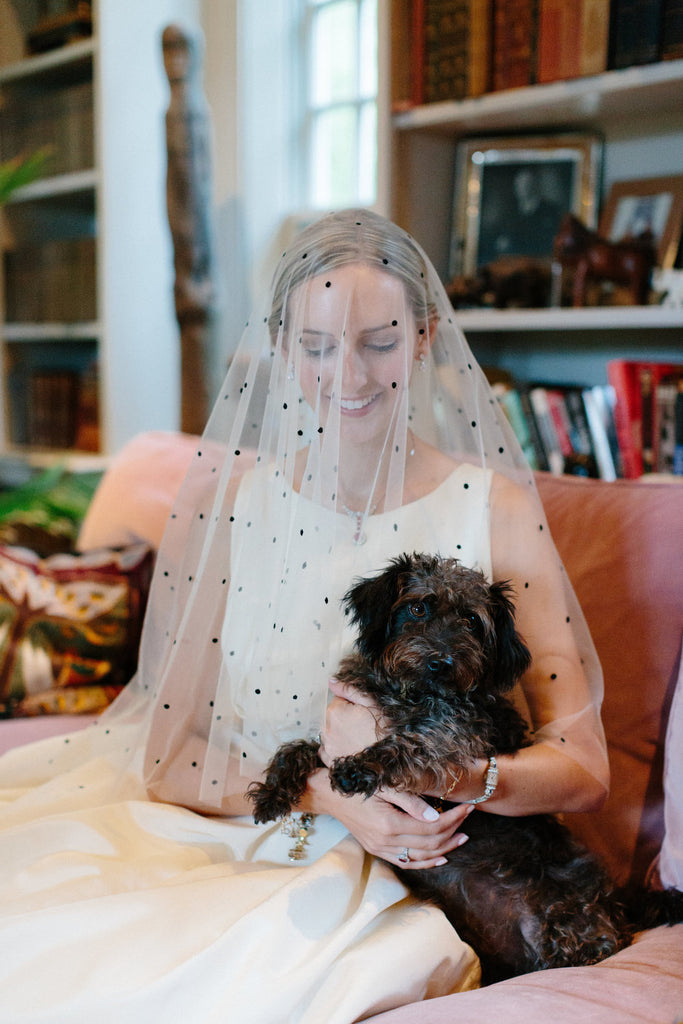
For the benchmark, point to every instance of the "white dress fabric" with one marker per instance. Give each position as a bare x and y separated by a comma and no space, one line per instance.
117,909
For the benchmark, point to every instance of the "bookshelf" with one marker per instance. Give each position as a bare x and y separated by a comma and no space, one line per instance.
639,113
88,339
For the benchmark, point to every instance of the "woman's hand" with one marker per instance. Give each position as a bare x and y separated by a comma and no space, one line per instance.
353,722
390,823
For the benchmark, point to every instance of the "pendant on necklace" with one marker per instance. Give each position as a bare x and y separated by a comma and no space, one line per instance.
358,534
358,537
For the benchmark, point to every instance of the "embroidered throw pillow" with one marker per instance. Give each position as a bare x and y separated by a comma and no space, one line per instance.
69,627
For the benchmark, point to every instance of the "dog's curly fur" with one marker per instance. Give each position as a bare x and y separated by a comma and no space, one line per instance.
438,650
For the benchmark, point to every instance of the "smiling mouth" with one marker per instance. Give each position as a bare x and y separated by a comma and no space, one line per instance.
355,404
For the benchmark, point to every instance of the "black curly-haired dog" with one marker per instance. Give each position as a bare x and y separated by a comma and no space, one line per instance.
437,650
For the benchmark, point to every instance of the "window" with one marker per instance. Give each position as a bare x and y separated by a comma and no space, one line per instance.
340,108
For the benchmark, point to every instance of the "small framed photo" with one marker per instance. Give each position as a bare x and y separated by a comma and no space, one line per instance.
650,204
512,192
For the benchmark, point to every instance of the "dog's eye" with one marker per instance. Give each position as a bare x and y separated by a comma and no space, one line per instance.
470,621
418,609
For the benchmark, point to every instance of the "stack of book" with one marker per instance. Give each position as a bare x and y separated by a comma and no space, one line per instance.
61,120
649,415
629,427
51,282
54,404
463,48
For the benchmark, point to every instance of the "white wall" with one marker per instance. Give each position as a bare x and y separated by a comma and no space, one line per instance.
249,82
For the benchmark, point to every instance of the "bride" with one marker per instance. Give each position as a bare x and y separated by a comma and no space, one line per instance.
354,424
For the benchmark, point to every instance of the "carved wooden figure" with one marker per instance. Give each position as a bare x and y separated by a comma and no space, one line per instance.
595,259
189,205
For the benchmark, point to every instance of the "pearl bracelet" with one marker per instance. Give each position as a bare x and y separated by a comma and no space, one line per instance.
490,782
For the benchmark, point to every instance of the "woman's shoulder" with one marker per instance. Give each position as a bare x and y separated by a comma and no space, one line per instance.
512,496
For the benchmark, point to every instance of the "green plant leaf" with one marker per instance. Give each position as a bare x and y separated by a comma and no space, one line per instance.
21,171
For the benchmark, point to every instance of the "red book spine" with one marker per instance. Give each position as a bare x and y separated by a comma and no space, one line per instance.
559,40
515,32
621,375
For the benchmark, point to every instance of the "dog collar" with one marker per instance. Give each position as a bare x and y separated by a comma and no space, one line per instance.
490,782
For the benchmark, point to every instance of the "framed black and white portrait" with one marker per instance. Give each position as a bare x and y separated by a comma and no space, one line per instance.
511,194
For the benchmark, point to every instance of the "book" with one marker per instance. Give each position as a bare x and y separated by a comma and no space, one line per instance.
635,384
454,43
627,416
53,401
51,282
583,459
594,36
515,33
481,47
666,397
87,411
635,32
678,432
559,40
599,404
564,429
538,397
511,403
671,44
560,417
61,120
406,54
540,454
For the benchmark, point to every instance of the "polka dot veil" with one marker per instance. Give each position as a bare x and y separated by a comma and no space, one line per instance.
351,368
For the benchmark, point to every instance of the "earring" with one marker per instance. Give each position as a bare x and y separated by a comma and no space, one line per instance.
422,361
290,372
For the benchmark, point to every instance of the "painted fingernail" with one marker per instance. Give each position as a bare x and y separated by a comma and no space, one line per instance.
461,839
440,862
470,808
430,814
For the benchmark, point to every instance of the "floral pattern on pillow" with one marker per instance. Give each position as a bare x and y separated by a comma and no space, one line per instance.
69,627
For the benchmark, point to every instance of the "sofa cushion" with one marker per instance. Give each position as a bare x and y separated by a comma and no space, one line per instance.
668,869
134,499
640,985
621,544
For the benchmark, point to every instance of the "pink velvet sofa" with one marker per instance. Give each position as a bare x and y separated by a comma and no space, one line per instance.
622,544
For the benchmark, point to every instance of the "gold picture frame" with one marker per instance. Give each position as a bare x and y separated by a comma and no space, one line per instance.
511,193
646,203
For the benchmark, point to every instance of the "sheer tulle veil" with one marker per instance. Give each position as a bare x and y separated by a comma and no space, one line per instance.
244,626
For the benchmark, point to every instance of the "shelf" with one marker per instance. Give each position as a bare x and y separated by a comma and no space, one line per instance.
58,185
87,331
52,65
590,318
609,98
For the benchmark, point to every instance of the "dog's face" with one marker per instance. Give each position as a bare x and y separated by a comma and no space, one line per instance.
433,624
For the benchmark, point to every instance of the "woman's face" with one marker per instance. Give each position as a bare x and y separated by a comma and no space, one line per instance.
359,342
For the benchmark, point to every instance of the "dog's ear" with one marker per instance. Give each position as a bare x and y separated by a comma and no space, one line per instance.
370,603
512,657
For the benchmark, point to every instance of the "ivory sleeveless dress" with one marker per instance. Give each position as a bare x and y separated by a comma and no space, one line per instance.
117,909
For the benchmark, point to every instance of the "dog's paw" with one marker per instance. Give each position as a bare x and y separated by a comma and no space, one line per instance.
268,805
349,777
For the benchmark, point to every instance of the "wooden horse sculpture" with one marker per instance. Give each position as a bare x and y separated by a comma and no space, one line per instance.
628,262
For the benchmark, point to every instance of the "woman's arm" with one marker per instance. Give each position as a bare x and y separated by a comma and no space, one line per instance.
536,780
566,768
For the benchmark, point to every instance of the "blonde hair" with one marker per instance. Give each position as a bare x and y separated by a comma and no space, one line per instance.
352,236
